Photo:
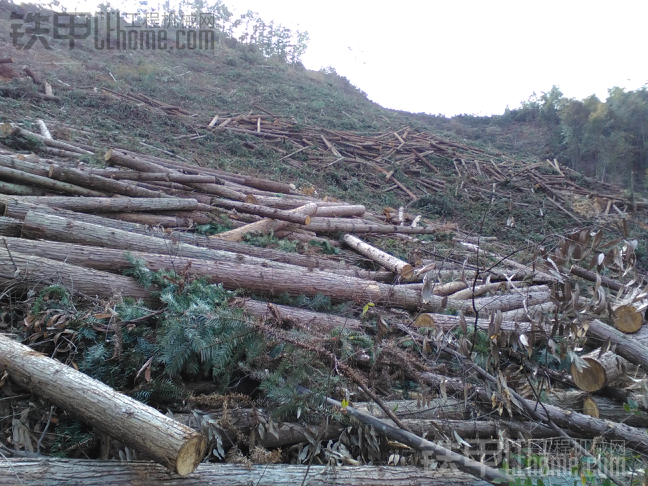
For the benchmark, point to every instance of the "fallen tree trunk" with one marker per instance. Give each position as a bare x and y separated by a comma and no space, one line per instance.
27,271
47,471
111,204
627,346
388,261
20,189
280,214
591,276
139,426
265,225
478,290
152,176
342,211
10,227
334,225
47,183
604,369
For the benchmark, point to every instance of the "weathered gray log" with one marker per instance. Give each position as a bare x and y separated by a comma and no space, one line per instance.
263,211
80,472
627,346
10,227
148,219
334,225
448,322
152,176
168,442
388,261
48,141
120,157
111,204
591,276
46,182
342,211
27,271
20,189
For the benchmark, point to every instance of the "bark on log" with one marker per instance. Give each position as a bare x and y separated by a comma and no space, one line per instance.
47,141
334,225
10,227
591,276
26,271
602,370
147,219
81,472
534,312
152,176
265,225
607,408
6,60
388,261
111,204
449,288
119,157
634,350
447,323
139,426
469,293
263,211
342,211
9,188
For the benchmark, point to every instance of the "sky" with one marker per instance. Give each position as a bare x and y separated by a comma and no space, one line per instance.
475,57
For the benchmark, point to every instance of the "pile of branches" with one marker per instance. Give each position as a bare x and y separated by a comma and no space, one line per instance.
496,347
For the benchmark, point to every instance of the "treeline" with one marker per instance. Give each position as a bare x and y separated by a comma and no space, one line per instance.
605,139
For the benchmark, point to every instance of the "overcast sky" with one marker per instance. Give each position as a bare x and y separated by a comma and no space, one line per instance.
477,57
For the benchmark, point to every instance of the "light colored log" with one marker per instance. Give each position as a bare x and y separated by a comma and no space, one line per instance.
46,182
388,261
469,293
43,128
110,204
266,212
10,227
342,211
139,426
334,225
602,370
627,319
152,176
627,346
45,472
531,313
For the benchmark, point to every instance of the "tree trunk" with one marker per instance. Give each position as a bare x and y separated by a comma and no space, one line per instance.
10,227
627,346
139,426
152,176
81,472
46,182
26,271
602,370
342,211
469,293
120,157
263,211
111,204
447,323
20,190
534,312
334,225
265,225
388,261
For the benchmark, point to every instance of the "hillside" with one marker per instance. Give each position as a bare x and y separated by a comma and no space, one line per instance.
297,276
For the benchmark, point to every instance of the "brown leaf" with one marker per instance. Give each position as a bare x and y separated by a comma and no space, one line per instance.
145,367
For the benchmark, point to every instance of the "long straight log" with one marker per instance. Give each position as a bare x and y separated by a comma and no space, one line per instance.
46,182
153,176
10,227
152,219
591,276
334,225
119,157
342,211
263,211
26,271
175,446
111,204
45,472
388,261
47,141
20,190
604,369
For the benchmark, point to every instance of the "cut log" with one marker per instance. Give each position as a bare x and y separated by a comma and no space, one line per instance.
265,225
43,129
9,188
469,293
448,323
47,141
153,176
111,204
46,182
449,288
10,227
591,276
280,214
602,370
626,346
77,472
120,157
627,319
151,219
388,261
342,211
334,225
29,272
532,312
139,426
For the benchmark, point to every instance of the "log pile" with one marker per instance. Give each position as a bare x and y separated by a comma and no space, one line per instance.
67,223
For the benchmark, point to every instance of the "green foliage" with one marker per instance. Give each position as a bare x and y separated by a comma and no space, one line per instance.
326,247
270,240
437,204
52,297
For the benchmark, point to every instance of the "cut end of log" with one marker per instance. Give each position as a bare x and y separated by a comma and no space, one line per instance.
6,130
108,155
627,319
590,379
407,271
307,220
190,455
250,199
424,320
590,408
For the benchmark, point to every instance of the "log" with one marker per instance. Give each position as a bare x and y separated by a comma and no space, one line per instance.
6,60
534,312
449,288
9,188
469,293
343,211
10,227
627,319
334,225
153,176
263,211
120,157
175,446
47,141
28,272
46,182
265,225
111,204
602,370
591,276
597,407
388,261
82,472
634,350
152,219
448,323
43,129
